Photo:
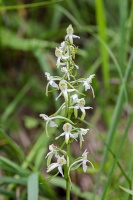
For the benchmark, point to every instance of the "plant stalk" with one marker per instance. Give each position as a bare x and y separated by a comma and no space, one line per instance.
68,186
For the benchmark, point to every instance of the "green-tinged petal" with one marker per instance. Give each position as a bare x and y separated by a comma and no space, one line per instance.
52,166
67,137
49,159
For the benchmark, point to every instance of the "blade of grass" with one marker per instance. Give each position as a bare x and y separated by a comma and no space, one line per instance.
130,24
7,193
31,5
7,179
107,184
115,117
12,106
10,142
115,62
10,166
33,186
123,7
127,190
9,39
102,31
41,141
75,11
69,15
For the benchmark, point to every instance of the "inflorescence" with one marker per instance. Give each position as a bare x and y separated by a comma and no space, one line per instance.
67,85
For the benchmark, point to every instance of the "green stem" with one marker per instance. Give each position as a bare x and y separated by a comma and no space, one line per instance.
68,186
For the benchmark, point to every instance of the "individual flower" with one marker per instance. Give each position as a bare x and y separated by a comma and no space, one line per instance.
66,72
80,105
53,152
82,132
81,161
67,128
73,99
51,81
87,83
63,46
70,34
64,90
84,161
48,121
60,162
59,55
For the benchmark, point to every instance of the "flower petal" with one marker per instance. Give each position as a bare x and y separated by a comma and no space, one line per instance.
66,137
52,124
60,170
52,166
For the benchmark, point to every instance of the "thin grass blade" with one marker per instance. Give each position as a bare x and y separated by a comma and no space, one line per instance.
33,187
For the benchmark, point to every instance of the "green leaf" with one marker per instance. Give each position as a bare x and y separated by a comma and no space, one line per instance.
20,181
127,190
49,178
33,186
101,23
12,106
31,5
7,193
9,141
10,166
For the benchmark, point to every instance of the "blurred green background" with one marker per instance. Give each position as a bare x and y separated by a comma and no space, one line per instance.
29,32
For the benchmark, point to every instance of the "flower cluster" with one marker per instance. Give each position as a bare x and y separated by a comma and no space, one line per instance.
74,107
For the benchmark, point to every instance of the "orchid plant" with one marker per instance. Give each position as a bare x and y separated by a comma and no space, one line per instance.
67,85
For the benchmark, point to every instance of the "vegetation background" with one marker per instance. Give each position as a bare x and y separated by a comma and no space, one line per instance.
29,32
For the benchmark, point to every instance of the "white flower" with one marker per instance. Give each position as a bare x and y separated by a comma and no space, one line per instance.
60,162
67,128
53,152
82,161
73,99
65,70
59,55
51,81
85,160
63,46
82,132
87,83
70,34
64,90
80,105
48,121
